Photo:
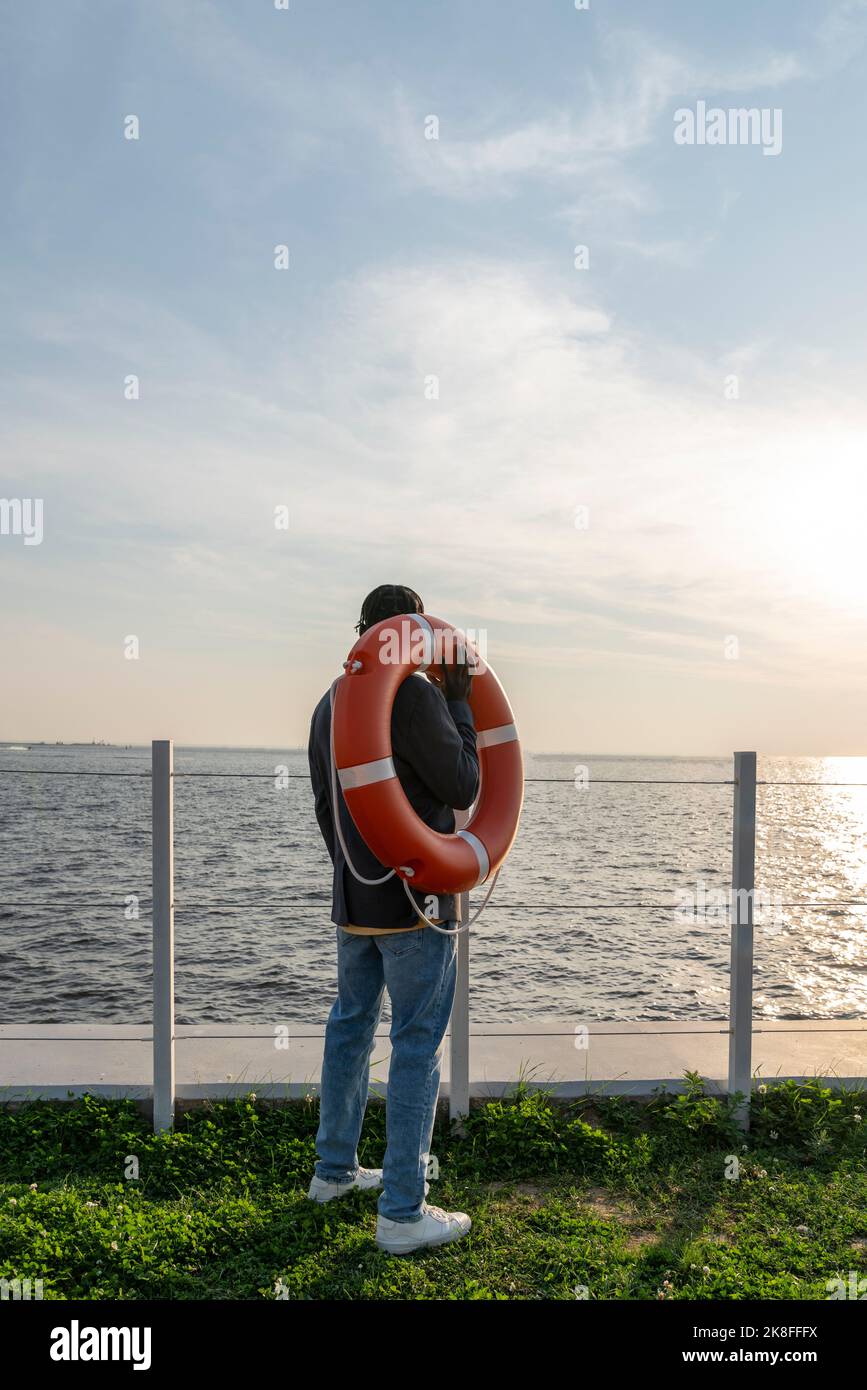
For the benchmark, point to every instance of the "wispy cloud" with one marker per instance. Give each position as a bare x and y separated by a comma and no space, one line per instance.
618,111
674,252
431,390
542,406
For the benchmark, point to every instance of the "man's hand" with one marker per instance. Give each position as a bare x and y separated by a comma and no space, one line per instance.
456,681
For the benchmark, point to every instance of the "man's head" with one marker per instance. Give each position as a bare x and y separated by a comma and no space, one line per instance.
387,601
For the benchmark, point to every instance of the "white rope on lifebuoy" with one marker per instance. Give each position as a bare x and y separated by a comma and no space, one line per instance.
456,931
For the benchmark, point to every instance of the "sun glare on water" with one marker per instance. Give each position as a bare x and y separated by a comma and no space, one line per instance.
812,849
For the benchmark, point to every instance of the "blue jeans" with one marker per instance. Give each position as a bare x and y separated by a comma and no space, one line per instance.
418,969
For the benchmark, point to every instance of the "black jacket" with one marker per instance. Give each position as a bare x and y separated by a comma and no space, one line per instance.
434,749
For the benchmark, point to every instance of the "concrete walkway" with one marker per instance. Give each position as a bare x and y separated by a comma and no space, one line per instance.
59,1061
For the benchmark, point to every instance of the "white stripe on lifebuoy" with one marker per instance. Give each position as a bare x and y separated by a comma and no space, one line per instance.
430,646
487,738
363,774
481,854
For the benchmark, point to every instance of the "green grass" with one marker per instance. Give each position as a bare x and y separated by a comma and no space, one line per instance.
614,1198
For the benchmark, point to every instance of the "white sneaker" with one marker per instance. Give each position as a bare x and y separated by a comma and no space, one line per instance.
366,1178
437,1227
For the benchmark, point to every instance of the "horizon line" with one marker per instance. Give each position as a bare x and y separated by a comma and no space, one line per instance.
21,744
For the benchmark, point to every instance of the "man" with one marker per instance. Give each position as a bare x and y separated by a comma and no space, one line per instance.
383,943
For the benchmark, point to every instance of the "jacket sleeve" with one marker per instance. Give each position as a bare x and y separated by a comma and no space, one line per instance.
321,797
441,748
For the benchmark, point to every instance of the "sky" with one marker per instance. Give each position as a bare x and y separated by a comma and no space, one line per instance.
638,468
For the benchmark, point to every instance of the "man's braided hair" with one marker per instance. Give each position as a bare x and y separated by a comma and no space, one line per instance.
387,601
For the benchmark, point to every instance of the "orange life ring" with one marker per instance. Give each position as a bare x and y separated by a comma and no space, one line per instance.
361,727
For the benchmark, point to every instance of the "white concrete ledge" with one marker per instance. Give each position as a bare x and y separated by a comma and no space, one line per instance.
60,1061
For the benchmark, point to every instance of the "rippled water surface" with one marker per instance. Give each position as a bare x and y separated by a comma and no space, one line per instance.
582,922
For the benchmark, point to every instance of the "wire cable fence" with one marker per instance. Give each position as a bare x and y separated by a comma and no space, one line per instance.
283,904
562,781
556,781
161,905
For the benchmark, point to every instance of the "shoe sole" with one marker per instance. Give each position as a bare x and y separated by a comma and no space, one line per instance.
421,1245
372,1187
334,1196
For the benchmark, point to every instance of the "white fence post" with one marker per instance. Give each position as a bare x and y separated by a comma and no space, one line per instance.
741,915
163,897
459,1069
459,1035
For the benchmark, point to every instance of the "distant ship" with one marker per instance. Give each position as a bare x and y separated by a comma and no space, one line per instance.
61,743
58,743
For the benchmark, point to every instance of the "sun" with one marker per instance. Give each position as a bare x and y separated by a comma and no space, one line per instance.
812,525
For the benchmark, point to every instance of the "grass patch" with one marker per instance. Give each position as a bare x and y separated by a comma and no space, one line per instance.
658,1200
